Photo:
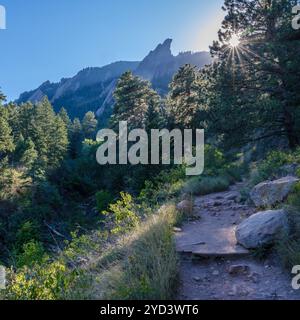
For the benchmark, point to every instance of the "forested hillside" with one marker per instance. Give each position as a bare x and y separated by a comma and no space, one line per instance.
87,230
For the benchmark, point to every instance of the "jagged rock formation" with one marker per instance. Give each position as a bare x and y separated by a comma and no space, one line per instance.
92,88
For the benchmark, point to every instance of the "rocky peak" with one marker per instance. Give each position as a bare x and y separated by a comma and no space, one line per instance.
160,56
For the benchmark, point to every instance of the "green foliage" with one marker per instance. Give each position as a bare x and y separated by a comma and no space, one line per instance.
6,137
214,160
202,186
121,215
65,118
289,247
76,137
27,232
45,133
13,184
133,97
48,281
245,85
103,199
89,125
29,155
32,253
183,100
272,166
150,266
163,187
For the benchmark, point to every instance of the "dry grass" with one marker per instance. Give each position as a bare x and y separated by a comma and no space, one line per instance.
141,265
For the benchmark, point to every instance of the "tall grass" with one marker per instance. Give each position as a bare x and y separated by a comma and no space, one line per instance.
289,247
202,186
142,265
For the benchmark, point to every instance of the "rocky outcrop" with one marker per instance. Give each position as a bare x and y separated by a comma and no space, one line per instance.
263,228
270,193
92,88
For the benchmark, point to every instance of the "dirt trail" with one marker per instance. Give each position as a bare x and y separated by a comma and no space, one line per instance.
214,267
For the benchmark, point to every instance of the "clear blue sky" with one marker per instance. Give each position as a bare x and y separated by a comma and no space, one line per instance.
51,39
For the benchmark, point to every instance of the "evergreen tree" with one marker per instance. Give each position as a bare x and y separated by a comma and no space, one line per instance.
6,137
183,97
89,125
2,97
255,81
29,155
133,96
65,118
59,142
49,134
76,137
154,117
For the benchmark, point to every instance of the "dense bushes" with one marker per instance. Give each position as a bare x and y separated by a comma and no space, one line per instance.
202,186
47,281
122,216
137,261
289,247
149,269
277,163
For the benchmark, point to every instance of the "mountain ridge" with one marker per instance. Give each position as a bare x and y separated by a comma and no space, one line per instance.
91,89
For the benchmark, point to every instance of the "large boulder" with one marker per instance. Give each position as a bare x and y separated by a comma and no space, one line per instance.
263,228
269,193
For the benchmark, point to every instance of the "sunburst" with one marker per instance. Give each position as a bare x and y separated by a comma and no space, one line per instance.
234,41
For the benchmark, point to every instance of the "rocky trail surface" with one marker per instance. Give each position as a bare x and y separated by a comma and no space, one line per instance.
214,267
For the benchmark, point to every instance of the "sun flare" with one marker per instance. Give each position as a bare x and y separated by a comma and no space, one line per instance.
234,41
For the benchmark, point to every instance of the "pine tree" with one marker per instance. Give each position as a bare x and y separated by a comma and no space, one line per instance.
58,147
6,137
256,81
89,125
29,155
65,118
183,97
133,96
48,133
2,97
76,137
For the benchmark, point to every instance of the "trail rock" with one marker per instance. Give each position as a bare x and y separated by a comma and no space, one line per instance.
233,197
271,192
262,228
238,269
185,206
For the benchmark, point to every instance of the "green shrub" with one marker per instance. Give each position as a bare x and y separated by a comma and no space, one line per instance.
32,253
289,247
270,168
202,186
214,160
150,268
48,281
121,215
103,199
165,186
27,232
